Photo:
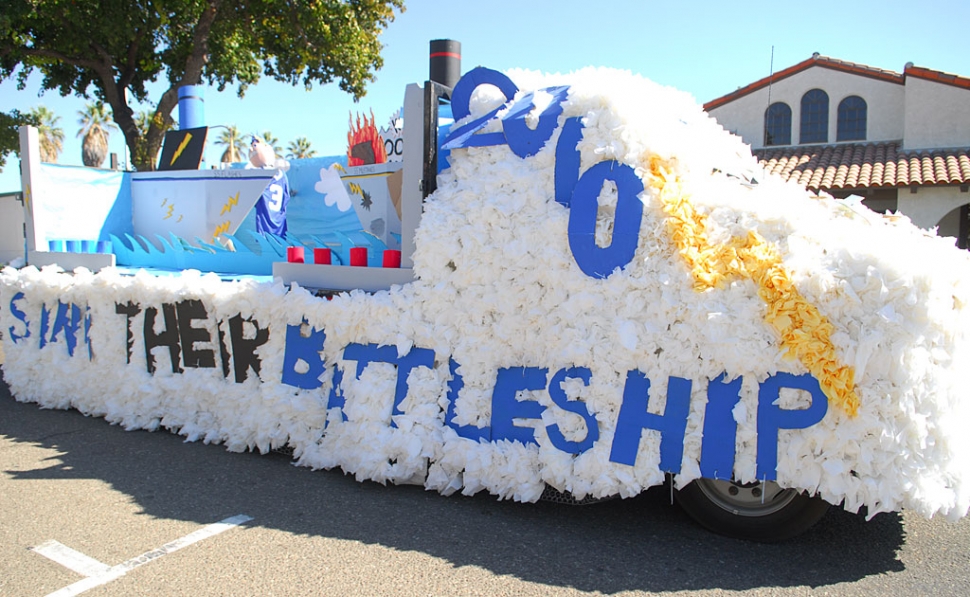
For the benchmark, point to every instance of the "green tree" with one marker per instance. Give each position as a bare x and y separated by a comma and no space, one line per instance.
10,133
50,135
299,149
112,49
96,125
234,144
143,120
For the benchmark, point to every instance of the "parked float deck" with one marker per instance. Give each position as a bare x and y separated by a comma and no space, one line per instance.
602,292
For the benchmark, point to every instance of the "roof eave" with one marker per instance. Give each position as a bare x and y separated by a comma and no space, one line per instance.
820,61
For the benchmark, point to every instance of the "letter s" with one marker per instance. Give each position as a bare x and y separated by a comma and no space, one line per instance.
20,315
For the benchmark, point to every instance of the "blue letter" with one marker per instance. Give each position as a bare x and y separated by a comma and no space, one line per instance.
336,398
465,136
524,141
372,353
720,429
568,159
87,332
416,357
462,94
634,418
18,314
574,406
69,325
508,382
45,324
62,322
771,417
595,261
306,349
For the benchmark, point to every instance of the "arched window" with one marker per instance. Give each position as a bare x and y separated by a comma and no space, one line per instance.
778,124
852,119
815,117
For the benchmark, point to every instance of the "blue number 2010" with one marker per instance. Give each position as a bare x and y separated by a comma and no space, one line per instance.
579,193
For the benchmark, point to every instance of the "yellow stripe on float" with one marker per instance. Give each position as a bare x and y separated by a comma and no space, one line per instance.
805,333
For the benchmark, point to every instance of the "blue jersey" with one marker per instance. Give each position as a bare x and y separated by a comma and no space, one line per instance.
271,207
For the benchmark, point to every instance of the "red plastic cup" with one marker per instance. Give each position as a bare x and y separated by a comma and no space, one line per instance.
392,258
321,256
294,254
358,256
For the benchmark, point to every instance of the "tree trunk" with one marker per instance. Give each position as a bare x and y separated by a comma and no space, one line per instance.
145,149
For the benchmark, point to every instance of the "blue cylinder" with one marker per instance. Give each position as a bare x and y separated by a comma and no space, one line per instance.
191,107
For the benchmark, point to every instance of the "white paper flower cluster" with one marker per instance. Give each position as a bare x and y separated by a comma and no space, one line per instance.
498,287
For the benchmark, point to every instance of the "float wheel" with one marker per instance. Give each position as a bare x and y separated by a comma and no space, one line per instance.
761,512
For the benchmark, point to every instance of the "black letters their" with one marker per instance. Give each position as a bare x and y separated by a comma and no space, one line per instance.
129,310
181,337
187,312
243,350
223,351
168,337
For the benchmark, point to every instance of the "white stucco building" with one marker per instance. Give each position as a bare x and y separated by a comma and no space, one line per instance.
901,141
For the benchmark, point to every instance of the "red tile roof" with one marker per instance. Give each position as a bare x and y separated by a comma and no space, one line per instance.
938,76
866,165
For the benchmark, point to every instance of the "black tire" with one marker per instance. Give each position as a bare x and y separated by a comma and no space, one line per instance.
762,512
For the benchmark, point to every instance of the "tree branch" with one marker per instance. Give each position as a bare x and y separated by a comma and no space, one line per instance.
192,75
131,60
44,53
106,60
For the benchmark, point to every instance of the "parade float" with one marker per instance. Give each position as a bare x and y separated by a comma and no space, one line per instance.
599,293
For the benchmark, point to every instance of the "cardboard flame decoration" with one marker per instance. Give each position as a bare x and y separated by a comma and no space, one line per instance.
364,143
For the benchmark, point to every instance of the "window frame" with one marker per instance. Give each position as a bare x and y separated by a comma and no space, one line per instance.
778,116
854,116
814,117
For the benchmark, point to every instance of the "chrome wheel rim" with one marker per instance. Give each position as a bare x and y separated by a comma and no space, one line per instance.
746,499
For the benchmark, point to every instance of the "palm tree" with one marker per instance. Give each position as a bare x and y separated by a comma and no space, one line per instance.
51,136
95,120
300,149
273,142
234,144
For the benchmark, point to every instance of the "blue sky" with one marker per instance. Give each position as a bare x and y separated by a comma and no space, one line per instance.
705,47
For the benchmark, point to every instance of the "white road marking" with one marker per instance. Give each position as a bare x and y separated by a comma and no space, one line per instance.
102,574
71,558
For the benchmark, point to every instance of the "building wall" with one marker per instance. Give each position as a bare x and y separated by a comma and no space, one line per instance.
12,243
924,114
937,115
885,100
930,207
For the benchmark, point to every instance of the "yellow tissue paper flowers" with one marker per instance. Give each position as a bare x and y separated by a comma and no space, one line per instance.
805,333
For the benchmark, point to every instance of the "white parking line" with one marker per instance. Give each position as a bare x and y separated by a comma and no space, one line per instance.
99,574
71,558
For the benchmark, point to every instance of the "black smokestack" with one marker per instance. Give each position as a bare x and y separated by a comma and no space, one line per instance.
445,62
